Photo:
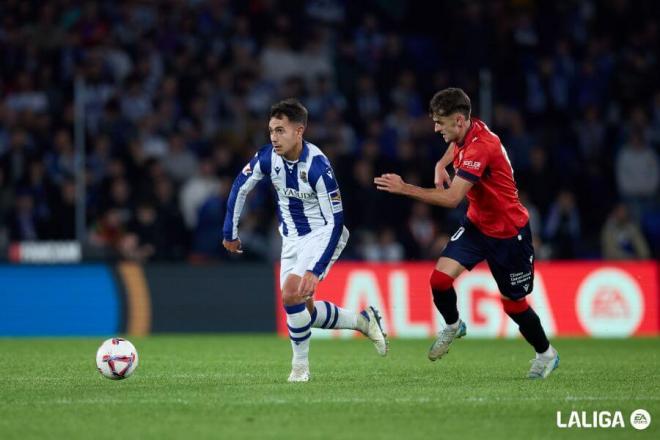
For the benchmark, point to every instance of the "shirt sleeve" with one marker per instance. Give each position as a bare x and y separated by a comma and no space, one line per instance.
474,162
329,197
252,173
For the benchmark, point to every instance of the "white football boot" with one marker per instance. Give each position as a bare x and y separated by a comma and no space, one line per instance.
542,366
375,331
299,373
441,345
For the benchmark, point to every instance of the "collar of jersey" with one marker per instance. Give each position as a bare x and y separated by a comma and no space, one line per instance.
468,133
303,155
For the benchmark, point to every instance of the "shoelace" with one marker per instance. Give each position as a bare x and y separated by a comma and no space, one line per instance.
447,334
378,318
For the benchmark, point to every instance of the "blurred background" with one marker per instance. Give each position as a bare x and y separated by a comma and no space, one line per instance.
123,123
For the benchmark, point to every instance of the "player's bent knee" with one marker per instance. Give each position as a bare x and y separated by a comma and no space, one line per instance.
512,307
291,297
290,294
449,266
440,281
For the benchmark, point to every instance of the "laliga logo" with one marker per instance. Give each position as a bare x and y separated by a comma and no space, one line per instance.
639,419
609,303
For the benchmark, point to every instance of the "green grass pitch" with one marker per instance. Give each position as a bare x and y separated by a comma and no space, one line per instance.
233,387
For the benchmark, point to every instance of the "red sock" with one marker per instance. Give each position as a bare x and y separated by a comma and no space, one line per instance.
514,307
444,296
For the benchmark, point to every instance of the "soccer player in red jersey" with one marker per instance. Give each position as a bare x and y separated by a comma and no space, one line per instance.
496,228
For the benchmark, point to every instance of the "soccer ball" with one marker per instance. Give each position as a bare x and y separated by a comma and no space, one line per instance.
116,359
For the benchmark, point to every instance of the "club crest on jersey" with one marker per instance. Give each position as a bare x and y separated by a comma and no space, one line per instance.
247,170
303,176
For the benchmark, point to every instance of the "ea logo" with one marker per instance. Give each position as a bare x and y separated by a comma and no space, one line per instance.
609,303
640,419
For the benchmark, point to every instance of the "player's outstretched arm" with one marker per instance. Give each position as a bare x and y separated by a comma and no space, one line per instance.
450,198
253,172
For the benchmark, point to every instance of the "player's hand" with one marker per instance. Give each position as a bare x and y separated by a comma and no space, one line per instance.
392,183
441,179
308,284
233,246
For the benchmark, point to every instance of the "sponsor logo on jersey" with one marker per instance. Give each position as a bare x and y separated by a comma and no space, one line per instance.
472,164
290,192
277,170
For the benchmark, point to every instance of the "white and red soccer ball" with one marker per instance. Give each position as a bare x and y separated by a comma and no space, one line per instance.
116,359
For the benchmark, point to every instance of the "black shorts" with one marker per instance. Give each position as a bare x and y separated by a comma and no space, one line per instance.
511,260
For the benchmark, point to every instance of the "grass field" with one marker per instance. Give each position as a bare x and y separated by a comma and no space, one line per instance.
232,387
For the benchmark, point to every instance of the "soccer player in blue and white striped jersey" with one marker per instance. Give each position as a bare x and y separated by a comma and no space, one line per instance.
311,219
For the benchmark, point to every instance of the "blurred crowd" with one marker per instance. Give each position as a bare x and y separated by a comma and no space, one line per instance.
177,95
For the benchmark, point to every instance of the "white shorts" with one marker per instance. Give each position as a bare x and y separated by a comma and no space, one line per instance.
300,254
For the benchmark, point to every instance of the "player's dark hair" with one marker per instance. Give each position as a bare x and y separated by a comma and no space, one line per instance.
292,109
449,101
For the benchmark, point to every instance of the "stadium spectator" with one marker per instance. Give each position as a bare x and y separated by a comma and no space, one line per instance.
6,202
638,174
591,133
24,223
541,249
167,210
367,102
15,160
211,214
196,190
180,163
61,161
621,237
382,246
562,226
63,216
540,180
106,233
119,200
130,248
422,230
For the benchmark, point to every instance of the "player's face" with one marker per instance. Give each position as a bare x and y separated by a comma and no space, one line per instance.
284,135
450,127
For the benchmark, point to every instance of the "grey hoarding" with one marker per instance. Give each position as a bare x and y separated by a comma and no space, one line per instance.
215,298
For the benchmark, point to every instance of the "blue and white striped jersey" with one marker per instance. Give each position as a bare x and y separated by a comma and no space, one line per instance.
308,197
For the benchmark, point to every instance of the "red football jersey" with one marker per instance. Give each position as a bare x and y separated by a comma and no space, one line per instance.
494,208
